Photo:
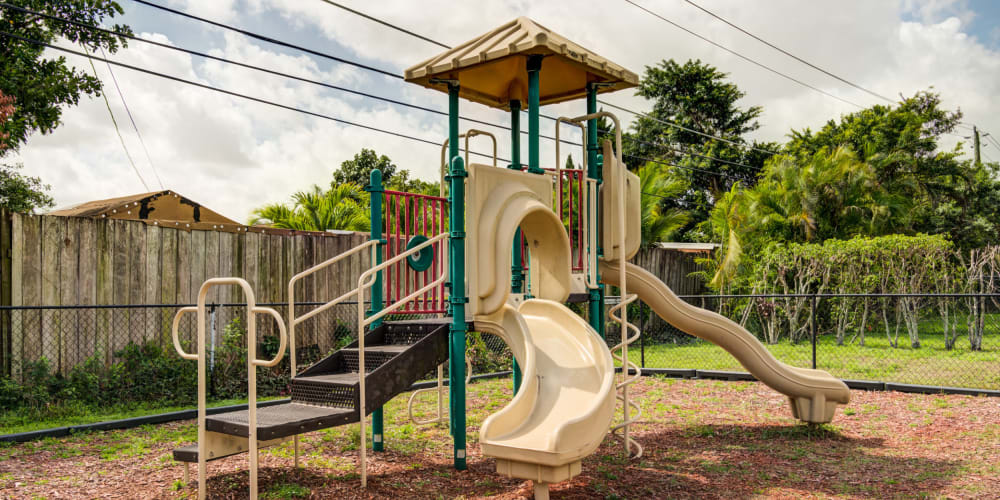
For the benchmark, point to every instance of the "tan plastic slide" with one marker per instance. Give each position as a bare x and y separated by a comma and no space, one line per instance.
567,397
813,394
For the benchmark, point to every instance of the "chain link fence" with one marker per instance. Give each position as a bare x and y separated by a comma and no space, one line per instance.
944,340
935,340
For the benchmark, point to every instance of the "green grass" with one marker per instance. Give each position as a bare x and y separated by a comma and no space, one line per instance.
26,420
931,364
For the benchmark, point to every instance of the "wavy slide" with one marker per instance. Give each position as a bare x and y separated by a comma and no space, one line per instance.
813,394
567,397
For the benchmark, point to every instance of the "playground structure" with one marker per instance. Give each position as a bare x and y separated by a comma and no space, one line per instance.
517,245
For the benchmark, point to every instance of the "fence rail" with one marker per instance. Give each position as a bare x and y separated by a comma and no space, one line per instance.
929,339
936,339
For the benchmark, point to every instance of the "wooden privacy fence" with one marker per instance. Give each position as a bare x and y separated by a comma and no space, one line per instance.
54,260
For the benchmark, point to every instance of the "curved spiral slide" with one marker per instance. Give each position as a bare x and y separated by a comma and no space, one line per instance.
813,394
566,401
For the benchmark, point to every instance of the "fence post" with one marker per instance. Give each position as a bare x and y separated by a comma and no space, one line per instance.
642,333
815,301
211,357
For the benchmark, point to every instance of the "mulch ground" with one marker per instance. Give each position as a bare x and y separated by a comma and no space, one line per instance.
702,439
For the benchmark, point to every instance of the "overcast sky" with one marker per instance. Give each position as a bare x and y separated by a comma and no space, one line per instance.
232,155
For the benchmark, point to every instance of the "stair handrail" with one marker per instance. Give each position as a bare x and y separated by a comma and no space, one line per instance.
365,281
252,363
292,320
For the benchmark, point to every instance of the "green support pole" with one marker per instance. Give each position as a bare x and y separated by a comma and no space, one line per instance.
375,189
516,271
534,69
457,299
596,302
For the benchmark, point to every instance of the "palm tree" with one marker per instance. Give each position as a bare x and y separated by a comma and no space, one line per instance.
655,186
342,207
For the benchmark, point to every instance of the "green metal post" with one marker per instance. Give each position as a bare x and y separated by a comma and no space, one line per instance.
375,189
457,299
516,271
596,299
534,70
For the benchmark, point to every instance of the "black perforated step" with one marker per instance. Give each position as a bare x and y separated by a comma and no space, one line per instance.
375,356
281,420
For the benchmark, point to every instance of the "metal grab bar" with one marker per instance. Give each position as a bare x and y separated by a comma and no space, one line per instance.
468,134
440,395
282,336
173,332
365,281
252,364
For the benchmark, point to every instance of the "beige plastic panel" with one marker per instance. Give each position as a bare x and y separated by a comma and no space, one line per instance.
567,399
610,204
813,394
499,201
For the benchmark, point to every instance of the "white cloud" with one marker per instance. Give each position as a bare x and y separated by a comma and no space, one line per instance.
234,155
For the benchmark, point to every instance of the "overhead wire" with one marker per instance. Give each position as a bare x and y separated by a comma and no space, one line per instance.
134,126
385,23
346,61
229,92
115,122
444,45
741,56
789,54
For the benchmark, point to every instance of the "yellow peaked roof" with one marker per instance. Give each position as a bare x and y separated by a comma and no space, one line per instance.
491,69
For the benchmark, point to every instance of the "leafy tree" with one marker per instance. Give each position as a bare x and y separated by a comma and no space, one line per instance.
949,195
343,207
659,224
42,86
698,97
6,111
21,193
826,195
401,181
358,170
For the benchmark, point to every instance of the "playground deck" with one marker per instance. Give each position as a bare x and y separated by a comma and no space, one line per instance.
703,439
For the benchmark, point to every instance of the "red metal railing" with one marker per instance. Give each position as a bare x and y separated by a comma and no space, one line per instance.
407,215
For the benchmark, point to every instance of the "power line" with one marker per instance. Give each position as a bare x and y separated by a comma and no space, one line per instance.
678,150
229,92
737,54
115,123
346,61
272,40
134,126
385,23
789,54
682,127
257,68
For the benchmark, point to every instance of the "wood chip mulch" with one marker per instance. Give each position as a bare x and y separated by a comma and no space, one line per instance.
702,439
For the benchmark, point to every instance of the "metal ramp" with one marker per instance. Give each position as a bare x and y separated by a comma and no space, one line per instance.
326,394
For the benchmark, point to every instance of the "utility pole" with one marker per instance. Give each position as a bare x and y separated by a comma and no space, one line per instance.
975,144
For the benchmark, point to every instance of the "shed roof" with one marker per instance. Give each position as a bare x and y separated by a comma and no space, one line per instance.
165,208
492,68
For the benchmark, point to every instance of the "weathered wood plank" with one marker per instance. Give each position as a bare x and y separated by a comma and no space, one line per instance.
184,268
122,271
196,263
104,284
212,263
17,320
168,275
53,232
70,351
139,329
151,292
5,291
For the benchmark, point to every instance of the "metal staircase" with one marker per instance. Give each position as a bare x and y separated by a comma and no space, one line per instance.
327,394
